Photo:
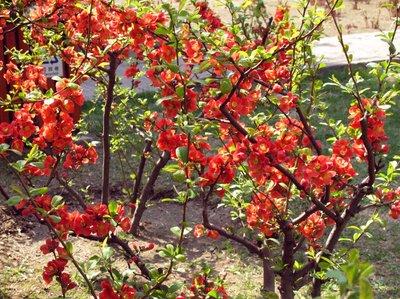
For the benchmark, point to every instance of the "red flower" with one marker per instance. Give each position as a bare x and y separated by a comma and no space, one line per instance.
313,227
66,283
395,210
79,155
53,268
127,292
18,145
125,224
342,148
167,53
131,71
213,234
50,246
219,169
6,130
192,49
107,291
80,223
208,15
198,230
280,13
262,211
169,140
288,102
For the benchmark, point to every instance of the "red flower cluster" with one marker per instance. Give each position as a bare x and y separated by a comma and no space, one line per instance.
48,165
391,197
219,169
192,49
313,227
208,15
342,148
324,171
263,210
21,127
169,140
288,102
375,126
96,220
79,155
108,292
28,79
395,210
52,246
200,230
201,286
55,268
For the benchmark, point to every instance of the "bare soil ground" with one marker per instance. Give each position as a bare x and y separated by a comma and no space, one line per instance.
357,15
21,262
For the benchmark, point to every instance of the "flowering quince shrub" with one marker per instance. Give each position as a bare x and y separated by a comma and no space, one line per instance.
239,118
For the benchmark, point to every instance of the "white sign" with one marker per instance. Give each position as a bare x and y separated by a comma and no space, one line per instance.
53,67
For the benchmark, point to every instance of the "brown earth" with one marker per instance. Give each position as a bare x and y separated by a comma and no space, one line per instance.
356,16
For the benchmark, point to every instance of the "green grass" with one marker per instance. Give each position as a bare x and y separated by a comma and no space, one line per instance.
25,281
382,250
339,102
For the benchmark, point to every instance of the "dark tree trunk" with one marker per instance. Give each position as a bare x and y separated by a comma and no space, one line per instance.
105,193
268,273
287,275
147,191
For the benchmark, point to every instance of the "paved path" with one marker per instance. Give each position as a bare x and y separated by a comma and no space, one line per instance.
365,47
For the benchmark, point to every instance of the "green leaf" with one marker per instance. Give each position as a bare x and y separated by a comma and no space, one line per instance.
4,147
33,153
38,191
366,291
19,165
180,91
107,252
179,176
182,4
56,78
176,230
180,257
14,200
213,294
339,4
69,246
337,275
55,218
173,67
392,48
175,287
56,201
93,261
182,153
112,208
161,30
171,168
225,85
270,295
